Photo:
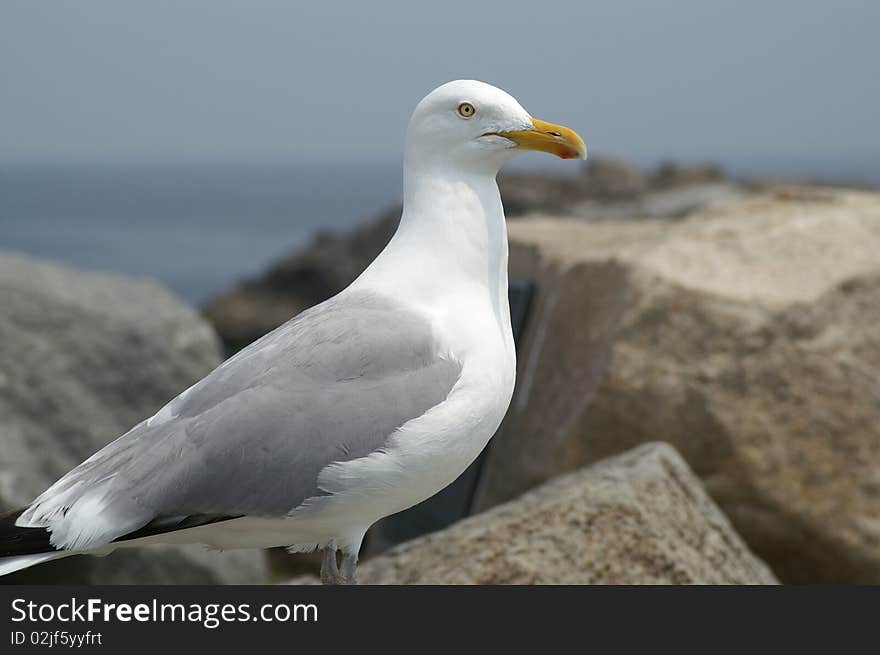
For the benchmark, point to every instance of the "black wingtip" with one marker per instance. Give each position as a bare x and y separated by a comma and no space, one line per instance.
15,540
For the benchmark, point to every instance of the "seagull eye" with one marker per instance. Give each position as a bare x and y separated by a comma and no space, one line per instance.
466,110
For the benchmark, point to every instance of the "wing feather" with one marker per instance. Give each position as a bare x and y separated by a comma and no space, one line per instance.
331,385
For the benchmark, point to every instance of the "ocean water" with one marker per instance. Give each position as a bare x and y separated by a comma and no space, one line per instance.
198,228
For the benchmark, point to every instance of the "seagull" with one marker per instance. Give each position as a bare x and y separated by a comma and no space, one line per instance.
355,409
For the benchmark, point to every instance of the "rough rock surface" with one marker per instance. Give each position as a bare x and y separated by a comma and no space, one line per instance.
638,518
747,335
83,357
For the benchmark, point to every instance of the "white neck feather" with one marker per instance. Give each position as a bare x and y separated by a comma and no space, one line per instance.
452,240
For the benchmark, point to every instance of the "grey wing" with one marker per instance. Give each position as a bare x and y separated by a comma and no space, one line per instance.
251,438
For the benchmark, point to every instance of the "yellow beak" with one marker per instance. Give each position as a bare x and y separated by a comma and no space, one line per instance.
547,137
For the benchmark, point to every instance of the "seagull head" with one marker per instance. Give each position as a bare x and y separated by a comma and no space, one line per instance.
476,126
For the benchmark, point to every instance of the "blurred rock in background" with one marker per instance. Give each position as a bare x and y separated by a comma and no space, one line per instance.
607,188
83,358
611,188
638,518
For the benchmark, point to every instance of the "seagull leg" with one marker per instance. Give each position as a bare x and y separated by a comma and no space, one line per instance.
329,570
348,573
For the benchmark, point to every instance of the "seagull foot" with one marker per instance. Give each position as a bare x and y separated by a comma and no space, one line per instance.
331,574
329,569
348,572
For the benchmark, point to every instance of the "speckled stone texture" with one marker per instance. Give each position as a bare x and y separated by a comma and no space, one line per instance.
637,518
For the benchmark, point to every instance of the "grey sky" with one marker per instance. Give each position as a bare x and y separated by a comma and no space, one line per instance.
221,79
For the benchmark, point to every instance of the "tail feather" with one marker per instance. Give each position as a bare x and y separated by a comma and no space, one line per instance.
15,540
12,564
23,547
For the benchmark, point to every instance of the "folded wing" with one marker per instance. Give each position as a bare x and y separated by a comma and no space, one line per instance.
251,438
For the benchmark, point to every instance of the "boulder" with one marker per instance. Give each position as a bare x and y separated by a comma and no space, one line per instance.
674,202
523,193
671,174
638,518
83,357
612,179
746,335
